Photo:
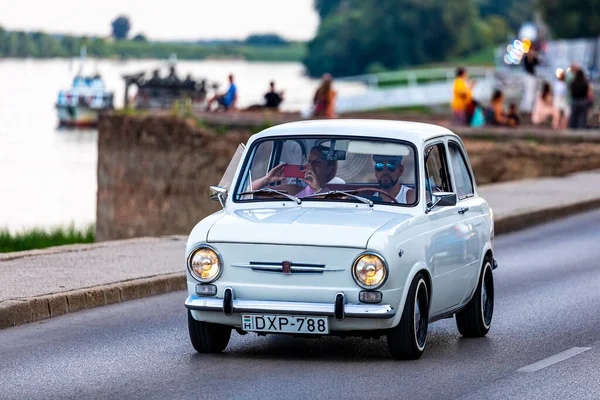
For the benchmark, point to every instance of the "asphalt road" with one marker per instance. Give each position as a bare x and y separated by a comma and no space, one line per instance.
547,302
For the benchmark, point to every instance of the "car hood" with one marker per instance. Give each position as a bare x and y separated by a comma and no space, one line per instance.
344,227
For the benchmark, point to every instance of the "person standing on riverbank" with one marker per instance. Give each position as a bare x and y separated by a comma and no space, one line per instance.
530,80
561,100
324,99
580,100
462,97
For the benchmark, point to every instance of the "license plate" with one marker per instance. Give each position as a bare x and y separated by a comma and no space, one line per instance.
285,324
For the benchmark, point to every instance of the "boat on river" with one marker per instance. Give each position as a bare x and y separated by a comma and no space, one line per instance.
82,103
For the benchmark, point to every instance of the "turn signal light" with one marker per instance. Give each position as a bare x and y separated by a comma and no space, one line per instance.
206,290
370,297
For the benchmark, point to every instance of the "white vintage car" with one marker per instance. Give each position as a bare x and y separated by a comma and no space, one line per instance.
346,228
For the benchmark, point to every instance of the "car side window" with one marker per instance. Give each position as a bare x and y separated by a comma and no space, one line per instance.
462,177
436,170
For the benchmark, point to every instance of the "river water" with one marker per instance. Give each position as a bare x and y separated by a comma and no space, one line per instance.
48,174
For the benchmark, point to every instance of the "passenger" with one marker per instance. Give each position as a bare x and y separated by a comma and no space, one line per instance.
318,173
388,170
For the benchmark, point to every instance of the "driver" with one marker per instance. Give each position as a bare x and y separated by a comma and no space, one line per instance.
388,170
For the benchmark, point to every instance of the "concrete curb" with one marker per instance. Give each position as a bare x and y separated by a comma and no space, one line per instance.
22,311
528,219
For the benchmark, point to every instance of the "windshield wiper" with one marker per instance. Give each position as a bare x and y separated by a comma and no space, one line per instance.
273,191
343,193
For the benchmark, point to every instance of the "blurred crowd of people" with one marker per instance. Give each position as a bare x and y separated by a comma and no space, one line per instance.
565,104
323,102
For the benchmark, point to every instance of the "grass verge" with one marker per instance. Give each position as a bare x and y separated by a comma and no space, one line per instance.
38,238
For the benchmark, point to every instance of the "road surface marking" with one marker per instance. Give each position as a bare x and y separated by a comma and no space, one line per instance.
573,351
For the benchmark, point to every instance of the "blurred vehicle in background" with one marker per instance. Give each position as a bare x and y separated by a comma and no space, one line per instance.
156,92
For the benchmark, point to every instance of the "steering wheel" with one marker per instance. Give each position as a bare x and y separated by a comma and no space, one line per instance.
380,191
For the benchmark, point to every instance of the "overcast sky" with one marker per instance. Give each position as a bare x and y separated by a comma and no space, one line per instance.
172,19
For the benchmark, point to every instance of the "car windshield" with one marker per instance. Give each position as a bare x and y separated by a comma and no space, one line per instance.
329,169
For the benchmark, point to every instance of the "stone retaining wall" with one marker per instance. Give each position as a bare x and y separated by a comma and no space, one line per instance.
154,171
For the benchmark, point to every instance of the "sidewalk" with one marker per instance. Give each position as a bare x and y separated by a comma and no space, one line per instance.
40,284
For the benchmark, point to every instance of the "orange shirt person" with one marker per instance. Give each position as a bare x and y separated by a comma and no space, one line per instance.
462,96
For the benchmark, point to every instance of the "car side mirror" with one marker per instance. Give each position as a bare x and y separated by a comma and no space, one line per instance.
219,194
445,199
442,199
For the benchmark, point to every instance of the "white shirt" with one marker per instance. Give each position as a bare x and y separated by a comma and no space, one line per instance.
401,197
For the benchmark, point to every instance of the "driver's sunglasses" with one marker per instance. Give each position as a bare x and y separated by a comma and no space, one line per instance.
391,166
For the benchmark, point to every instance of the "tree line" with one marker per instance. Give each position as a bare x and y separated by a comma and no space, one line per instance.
18,44
360,36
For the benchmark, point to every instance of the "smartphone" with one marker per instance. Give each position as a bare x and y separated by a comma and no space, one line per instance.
293,171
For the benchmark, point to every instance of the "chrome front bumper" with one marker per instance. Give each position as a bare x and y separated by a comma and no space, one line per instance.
338,309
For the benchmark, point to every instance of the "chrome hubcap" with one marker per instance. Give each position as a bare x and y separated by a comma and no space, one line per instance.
420,316
487,297
417,317
484,294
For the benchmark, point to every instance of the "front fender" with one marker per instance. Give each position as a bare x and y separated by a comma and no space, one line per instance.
199,233
487,247
415,269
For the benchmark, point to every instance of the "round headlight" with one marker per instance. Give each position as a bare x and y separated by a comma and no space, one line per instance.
204,264
369,271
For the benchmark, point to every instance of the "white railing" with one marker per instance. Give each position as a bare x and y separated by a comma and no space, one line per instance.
424,87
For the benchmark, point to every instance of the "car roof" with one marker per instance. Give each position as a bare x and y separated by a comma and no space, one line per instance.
415,132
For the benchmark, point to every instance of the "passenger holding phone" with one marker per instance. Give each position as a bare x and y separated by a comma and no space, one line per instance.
318,171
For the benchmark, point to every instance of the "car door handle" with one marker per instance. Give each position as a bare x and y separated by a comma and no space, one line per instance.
463,210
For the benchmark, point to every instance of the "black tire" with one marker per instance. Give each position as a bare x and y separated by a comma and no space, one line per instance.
207,337
407,340
476,318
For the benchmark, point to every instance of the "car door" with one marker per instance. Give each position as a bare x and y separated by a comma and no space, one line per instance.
445,243
472,215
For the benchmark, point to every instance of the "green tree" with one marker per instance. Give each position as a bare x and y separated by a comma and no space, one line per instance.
70,45
3,42
392,34
571,19
26,46
269,39
140,37
514,12
326,7
121,27
339,47
99,48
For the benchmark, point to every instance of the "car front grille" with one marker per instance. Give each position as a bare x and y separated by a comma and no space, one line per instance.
290,268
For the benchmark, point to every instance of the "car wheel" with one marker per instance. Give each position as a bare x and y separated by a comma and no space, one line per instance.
207,337
407,340
476,318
